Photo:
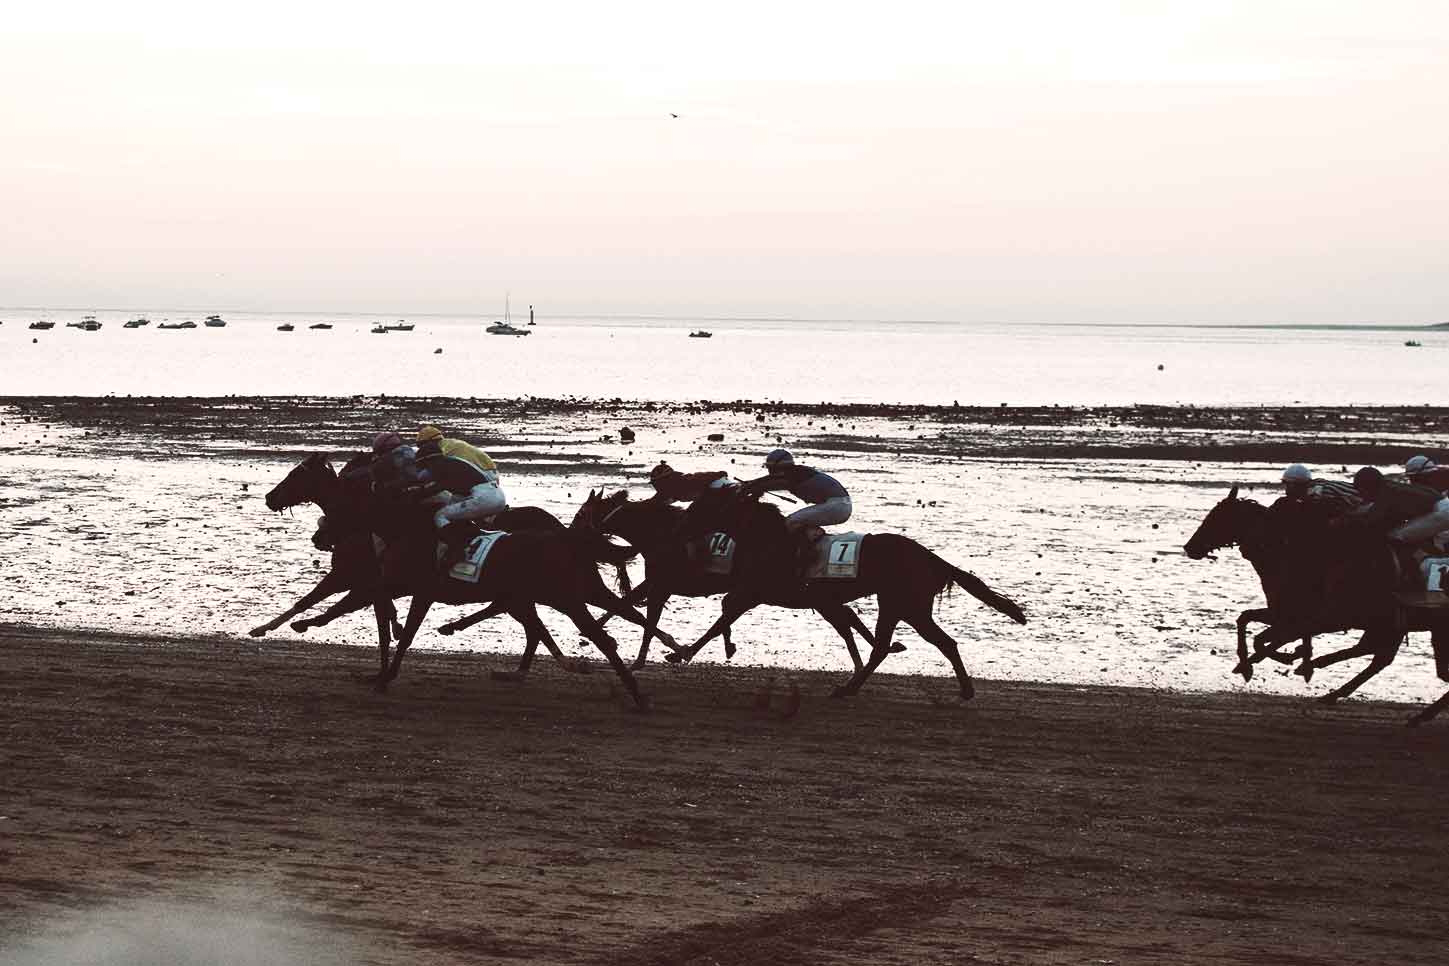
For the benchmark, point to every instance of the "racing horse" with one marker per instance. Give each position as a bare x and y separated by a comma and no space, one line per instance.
905,578
555,567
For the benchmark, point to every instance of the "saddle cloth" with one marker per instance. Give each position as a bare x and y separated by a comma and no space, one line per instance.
471,566
836,557
715,553
1436,574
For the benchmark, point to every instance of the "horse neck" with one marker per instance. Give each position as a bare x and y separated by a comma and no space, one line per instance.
645,524
1250,529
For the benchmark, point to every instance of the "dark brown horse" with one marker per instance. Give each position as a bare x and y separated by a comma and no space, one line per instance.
904,577
557,568
1350,582
674,569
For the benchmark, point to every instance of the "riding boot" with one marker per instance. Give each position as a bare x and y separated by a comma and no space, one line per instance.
805,540
455,538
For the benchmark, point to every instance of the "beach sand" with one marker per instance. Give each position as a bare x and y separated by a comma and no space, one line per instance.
457,819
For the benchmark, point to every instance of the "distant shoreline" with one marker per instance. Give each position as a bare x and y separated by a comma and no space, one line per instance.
520,431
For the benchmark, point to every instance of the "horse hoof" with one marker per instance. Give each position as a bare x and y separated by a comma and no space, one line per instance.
300,626
258,632
1328,699
676,657
896,649
447,630
1305,672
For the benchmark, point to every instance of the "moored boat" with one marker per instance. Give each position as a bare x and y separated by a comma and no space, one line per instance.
380,330
286,327
215,322
320,325
701,334
401,326
42,325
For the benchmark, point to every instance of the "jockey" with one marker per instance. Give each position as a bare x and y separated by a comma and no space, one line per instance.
672,486
394,463
1307,498
1411,513
467,473
1425,472
829,502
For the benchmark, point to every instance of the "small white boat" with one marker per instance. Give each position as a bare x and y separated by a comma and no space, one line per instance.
86,324
215,322
400,327
506,327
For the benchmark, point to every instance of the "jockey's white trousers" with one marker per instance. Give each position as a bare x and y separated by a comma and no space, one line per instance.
1421,529
483,500
828,514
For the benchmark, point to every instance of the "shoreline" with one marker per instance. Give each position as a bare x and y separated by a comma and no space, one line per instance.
292,426
459,820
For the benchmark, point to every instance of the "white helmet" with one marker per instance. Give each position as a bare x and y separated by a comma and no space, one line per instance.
1419,464
1297,473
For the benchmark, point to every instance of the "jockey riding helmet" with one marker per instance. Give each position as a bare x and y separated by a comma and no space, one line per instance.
779,457
661,471
429,432
1419,464
1297,473
386,443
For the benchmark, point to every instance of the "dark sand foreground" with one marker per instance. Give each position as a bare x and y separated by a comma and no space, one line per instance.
462,820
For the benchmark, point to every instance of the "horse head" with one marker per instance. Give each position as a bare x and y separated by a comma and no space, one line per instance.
307,481
1232,521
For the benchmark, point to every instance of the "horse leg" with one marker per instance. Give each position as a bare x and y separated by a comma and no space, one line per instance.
595,632
844,620
386,617
1245,666
1429,711
355,600
612,603
332,583
1383,656
1439,640
734,605
416,613
1366,645
927,627
463,623
656,609
885,626
527,615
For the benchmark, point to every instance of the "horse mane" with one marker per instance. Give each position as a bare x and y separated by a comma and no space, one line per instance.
357,461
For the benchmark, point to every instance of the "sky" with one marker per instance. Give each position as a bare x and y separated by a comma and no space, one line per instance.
1043,160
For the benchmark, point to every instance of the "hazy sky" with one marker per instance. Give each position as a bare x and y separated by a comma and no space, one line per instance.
1065,160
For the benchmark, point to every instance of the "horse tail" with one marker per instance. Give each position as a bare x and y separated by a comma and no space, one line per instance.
977,588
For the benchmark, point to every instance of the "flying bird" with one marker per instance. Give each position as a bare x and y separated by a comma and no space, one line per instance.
673,115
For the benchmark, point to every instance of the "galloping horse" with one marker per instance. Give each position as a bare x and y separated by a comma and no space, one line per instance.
650,526
904,576
1350,587
556,567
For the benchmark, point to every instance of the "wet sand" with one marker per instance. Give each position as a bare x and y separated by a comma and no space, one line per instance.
458,819
521,431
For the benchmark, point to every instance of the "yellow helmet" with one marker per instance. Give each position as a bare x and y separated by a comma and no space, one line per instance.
429,432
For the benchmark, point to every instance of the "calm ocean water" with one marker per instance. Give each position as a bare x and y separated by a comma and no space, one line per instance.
796,361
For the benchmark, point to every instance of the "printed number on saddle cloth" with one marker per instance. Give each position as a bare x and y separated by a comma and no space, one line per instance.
471,566
721,553
1436,574
836,557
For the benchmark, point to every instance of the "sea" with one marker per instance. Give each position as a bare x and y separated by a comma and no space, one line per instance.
100,535
794,360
